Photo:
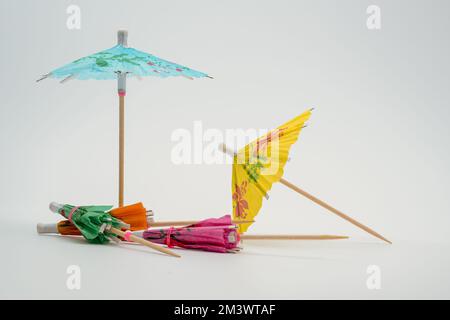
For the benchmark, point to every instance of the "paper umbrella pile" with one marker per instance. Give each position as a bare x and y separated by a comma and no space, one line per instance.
256,167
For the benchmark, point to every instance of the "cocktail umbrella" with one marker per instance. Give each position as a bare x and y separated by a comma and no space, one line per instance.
173,223
120,62
260,164
215,235
96,225
135,215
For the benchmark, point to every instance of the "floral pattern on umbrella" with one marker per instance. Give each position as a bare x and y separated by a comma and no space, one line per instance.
260,164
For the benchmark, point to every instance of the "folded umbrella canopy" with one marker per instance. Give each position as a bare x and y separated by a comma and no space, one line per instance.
93,222
97,225
120,62
215,235
135,216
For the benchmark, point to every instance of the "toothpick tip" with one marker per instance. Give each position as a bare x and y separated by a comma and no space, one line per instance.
379,236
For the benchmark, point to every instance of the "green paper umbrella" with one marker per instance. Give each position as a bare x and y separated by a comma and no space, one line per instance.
94,222
98,226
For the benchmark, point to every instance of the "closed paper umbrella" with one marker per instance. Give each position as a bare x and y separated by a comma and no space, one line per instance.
119,63
96,225
135,215
214,235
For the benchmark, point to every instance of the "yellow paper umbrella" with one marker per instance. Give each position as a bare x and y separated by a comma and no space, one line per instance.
260,164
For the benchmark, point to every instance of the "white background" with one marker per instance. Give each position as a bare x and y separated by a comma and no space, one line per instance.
377,146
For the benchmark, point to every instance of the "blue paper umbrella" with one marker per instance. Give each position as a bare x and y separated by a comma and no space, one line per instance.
120,62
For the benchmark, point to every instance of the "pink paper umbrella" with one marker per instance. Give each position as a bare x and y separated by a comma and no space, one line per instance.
214,235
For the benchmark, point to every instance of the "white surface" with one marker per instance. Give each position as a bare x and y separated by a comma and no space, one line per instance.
377,145
35,267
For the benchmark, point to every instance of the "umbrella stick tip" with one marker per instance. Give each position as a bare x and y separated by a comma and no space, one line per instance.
379,236
122,37
55,207
223,147
170,253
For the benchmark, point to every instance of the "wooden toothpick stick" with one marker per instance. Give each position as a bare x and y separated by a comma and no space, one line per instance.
122,36
187,222
290,237
321,203
121,148
144,242
332,209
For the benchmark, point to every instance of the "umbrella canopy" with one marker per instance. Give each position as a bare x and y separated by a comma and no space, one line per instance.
214,235
93,222
97,226
258,165
107,64
135,215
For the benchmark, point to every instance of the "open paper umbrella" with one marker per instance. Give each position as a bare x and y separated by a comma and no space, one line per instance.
96,225
258,165
120,62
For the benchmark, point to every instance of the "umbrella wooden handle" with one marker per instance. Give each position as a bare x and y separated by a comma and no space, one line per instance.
145,242
121,147
122,39
290,237
332,209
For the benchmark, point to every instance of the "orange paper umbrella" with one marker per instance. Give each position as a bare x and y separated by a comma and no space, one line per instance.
135,215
